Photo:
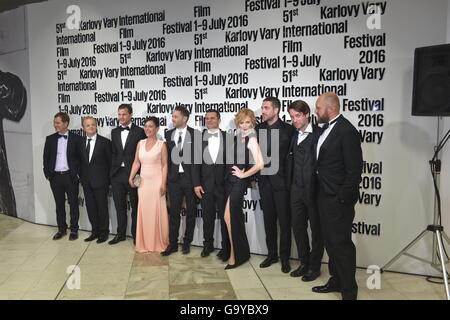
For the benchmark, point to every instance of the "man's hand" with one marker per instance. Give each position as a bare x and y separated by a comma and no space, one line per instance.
199,191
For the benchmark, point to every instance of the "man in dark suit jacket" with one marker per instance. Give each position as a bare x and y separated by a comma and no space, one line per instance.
301,179
124,142
272,185
180,145
209,184
339,169
95,170
62,168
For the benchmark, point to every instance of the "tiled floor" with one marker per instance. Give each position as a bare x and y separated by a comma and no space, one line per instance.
33,266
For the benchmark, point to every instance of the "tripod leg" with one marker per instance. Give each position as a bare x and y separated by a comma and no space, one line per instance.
441,255
412,243
446,237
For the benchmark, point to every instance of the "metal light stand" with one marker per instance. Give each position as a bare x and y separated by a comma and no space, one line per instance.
438,260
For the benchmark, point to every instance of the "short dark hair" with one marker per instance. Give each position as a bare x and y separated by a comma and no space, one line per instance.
300,106
153,119
215,111
126,106
64,117
183,110
274,101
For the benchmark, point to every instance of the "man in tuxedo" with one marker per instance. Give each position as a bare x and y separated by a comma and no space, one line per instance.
180,145
339,169
62,168
124,142
301,180
272,187
209,184
95,169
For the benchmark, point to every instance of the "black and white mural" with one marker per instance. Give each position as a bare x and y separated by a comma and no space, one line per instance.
13,102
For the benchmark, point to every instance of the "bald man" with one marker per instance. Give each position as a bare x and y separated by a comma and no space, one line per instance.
339,168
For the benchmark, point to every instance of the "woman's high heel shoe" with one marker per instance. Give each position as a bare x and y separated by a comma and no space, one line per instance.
231,266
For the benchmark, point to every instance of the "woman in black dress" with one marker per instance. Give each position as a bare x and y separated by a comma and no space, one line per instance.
247,161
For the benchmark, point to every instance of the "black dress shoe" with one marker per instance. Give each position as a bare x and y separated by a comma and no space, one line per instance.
329,287
235,265
206,251
92,237
186,248
73,236
59,235
117,239
300,271
102,239
268,262
311,276
285,266
220,254
169,250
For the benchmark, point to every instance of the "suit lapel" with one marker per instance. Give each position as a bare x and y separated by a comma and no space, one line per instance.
69,145
96,148
85,156
128,137
220,155
55,144
331,136
117,139
205,144
187,138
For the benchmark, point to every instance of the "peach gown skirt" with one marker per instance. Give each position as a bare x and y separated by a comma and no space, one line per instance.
152,234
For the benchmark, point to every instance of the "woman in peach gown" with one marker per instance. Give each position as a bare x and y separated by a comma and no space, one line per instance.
152,232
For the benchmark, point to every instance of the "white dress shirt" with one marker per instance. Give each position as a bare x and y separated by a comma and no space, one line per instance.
303,135
214,144
176,137
61,153
325,134
124,136
91,150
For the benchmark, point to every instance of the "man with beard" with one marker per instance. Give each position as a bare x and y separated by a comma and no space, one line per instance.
272,188
339,169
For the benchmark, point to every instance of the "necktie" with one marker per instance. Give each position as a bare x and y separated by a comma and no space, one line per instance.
124,128
62,136
179,143
88,149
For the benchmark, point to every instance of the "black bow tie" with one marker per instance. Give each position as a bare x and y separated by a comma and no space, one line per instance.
328,124
62,136
124,128
209,135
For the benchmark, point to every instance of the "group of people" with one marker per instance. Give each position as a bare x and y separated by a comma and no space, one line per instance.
305,173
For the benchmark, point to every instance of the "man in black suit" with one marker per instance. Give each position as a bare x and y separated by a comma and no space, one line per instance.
339,169
95,170
62,168
180,145
301,180
209,184
124,142
272,185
